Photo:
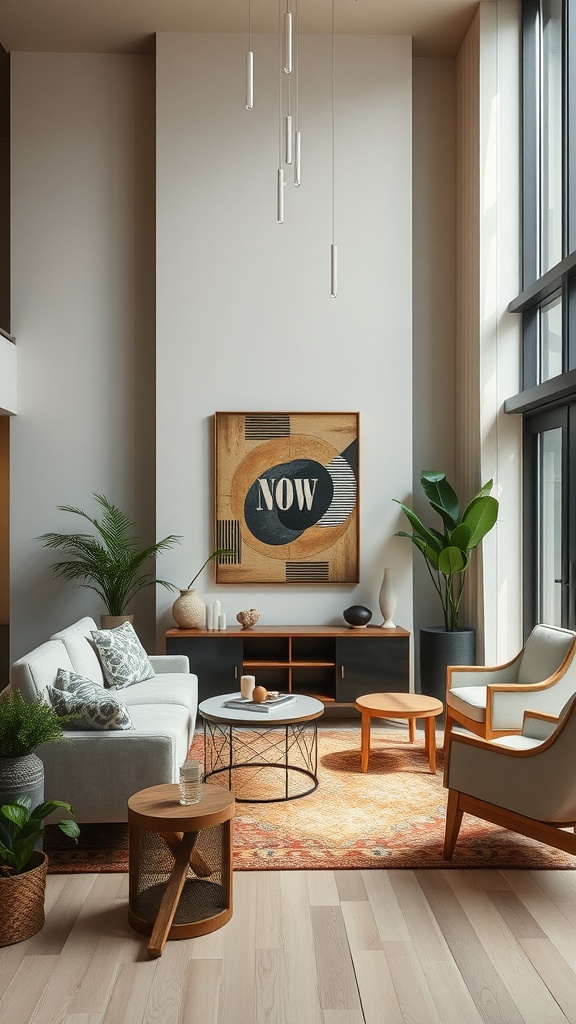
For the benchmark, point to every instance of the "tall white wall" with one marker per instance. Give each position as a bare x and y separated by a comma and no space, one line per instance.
434,299
83,313
244,316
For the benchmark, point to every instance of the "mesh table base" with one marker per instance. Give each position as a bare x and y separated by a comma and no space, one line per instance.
264,764
201,898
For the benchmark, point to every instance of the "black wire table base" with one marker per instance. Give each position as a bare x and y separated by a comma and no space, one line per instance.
262,759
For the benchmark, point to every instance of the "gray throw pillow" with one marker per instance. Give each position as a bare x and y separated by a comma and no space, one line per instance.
95,707
124,660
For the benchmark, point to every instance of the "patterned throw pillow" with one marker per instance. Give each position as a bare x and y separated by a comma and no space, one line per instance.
124,660
95,707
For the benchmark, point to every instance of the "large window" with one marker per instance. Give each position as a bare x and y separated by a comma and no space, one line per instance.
547,305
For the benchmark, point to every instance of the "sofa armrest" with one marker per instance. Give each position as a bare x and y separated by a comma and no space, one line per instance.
169,663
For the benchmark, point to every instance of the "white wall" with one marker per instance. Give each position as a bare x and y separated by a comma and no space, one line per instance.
83,313
244,316
8,364
488,337
434,299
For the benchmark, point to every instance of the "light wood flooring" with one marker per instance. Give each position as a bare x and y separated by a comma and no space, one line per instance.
311,947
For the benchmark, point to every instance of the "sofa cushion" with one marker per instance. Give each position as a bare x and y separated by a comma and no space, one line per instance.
77,640
469,700
168,688
95,706
124,660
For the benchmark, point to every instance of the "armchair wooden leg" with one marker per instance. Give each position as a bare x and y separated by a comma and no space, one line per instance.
447,728
453,822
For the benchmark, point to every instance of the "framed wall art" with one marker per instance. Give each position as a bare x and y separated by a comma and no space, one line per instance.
287,497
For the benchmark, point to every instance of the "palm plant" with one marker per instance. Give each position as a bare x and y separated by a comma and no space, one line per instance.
447,552
111,562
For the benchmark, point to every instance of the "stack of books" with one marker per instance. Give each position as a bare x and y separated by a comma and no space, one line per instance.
272,701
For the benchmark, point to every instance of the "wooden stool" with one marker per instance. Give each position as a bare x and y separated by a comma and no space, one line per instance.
400,705
180,863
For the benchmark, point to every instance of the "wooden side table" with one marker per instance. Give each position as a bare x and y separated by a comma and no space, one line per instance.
180,863
400,705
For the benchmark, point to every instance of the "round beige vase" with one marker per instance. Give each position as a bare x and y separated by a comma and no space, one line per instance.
189,610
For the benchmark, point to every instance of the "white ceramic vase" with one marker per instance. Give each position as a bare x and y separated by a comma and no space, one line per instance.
388,600
189,610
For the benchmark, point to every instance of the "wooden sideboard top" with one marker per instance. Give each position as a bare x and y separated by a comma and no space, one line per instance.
327,631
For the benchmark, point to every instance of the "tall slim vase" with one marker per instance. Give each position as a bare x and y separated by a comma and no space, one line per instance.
387,599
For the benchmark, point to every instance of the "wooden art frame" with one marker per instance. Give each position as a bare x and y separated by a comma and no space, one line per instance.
287,497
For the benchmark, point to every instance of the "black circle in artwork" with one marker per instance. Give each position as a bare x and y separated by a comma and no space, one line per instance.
287,499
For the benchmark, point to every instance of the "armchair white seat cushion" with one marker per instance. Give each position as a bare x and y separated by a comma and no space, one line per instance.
490,701
522,782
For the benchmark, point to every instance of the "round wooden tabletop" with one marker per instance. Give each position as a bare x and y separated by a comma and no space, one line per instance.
399,705
158,808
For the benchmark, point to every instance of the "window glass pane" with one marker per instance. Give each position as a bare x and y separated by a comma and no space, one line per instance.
550,526
550,363
551,134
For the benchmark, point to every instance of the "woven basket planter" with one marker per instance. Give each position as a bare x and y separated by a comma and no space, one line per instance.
22,902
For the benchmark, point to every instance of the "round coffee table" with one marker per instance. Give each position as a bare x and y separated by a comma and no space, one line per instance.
400,705
241,745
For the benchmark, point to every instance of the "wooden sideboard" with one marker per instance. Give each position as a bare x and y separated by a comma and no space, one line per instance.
333,663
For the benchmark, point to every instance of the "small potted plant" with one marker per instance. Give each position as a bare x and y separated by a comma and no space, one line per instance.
23,867
24,725
447,552
111,562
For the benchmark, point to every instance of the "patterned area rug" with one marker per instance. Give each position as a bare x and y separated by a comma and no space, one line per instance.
392,817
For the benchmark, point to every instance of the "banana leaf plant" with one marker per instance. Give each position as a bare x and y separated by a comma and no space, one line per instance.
447,551
21,827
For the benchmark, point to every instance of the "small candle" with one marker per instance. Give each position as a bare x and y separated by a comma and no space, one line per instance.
247,684
209,619
216,610
221,621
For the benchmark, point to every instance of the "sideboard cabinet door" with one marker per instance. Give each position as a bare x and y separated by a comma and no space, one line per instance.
371,665
217,661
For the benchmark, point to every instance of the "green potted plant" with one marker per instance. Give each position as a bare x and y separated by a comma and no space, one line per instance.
189,610
23,867
447,552
24,725
111,562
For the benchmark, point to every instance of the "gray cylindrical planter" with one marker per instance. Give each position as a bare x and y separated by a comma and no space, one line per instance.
21,776
439,648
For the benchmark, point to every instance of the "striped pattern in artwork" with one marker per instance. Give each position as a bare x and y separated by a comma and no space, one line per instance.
345,490
228,536
265,425
307,572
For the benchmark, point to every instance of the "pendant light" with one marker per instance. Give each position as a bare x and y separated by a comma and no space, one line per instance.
297,136
333,247
249,63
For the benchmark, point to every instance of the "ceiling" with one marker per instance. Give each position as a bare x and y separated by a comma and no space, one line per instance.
128,26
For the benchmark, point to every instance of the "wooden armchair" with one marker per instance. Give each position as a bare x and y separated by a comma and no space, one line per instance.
524,782
490,701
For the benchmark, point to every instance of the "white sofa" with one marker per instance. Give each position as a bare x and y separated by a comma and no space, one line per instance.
96,771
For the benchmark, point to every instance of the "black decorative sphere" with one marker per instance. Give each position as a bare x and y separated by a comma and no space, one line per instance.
357,615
